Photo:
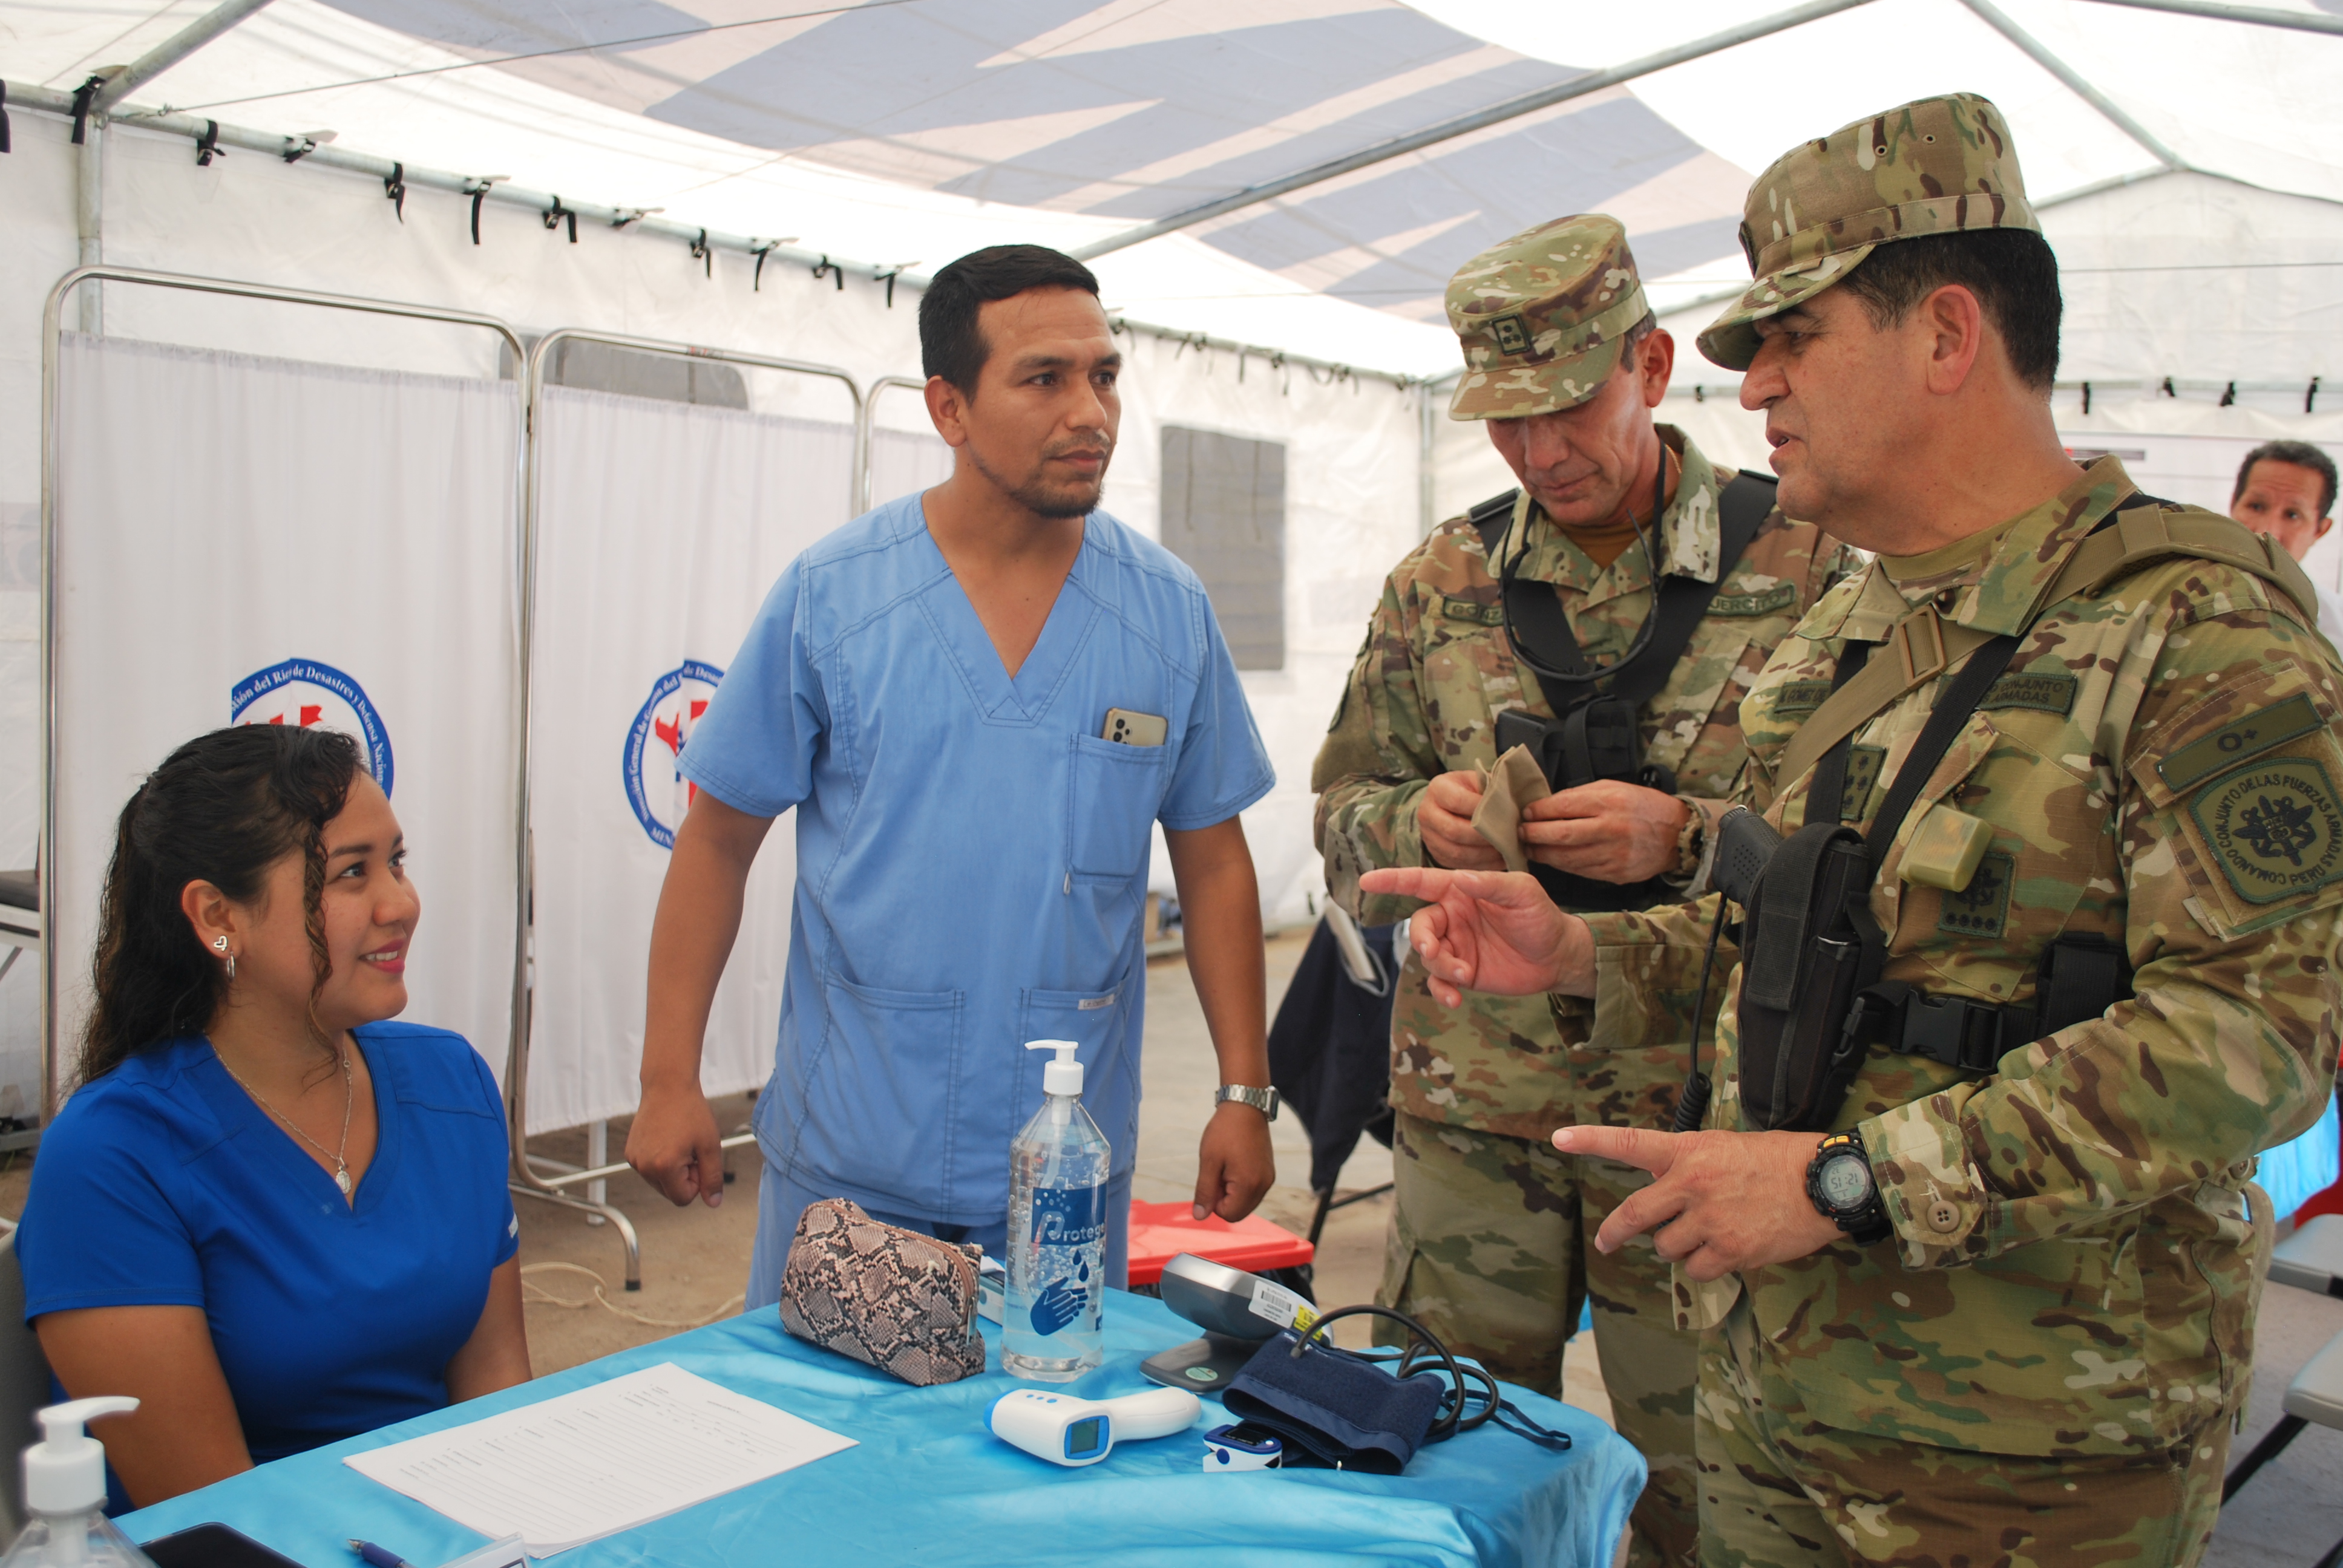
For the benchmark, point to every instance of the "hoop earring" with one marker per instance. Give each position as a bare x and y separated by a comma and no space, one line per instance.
231,968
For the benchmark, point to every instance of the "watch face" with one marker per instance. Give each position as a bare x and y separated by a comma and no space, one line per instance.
1845,1182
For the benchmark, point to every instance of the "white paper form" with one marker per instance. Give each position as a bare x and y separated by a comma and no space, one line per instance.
583,1466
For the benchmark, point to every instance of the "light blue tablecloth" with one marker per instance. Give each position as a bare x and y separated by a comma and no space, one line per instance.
928,1484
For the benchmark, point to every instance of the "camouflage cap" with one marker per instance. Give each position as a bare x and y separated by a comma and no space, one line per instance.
1542,317
1938,165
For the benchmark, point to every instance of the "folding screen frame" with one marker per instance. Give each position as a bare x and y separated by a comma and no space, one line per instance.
51,322
865,424
525,1180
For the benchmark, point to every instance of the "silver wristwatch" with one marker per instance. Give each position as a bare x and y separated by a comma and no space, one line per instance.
1261,1099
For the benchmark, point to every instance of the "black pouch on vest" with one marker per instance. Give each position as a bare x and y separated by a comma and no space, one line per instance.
1334,1407
1810,946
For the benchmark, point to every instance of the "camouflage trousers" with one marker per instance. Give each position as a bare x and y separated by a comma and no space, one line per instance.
1491,1248
1778,1491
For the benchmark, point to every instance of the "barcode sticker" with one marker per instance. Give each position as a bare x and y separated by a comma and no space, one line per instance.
1281,1307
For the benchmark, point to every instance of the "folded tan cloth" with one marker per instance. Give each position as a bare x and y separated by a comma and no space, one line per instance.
1515,782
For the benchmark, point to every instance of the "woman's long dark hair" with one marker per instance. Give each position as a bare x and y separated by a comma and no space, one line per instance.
222,809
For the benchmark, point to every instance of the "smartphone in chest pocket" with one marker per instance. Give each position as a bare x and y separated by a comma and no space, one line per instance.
1129,728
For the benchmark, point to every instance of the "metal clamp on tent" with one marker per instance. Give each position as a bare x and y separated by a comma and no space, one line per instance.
478,189
207,146
555,213
394,186
702,253
83,101
757,282
824,267
4,116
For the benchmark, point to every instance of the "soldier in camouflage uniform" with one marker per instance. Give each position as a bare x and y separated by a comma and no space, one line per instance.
1486,1240
2042,1358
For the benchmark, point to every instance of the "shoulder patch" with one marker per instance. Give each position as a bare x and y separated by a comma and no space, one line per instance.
1765,601
1470,612
1981,909
2275,828
2237,741
1800,696
2047,692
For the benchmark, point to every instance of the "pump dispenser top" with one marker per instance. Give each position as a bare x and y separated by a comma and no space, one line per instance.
1063,1075
66,1474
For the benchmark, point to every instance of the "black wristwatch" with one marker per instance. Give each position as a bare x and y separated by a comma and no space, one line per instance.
1839,1183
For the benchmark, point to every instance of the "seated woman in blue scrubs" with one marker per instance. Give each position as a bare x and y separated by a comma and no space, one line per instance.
275,1218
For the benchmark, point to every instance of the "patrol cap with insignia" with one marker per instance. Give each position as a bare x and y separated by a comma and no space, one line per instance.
1542,317
1936,166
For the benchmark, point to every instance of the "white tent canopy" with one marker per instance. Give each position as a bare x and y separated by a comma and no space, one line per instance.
902,132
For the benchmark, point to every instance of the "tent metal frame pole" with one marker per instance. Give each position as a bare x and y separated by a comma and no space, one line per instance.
52,312
170,52
2253,15
523,1178
1464,124
2074,82
867,423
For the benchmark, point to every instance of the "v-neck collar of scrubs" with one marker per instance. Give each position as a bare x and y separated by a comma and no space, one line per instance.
1001,699
241,1116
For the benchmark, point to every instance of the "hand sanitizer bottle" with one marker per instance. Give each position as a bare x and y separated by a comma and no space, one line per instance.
1057,1233
64,1495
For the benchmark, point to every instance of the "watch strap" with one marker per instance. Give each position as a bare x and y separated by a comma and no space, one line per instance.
1265,1101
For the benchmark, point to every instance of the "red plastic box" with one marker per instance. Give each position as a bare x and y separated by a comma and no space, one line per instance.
1161,1232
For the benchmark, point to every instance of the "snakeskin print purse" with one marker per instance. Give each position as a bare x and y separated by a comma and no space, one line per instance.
890,1297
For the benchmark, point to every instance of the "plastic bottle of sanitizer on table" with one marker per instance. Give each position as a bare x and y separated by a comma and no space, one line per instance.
64,1495
1057,1233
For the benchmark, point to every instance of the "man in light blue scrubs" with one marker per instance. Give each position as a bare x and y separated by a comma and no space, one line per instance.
980,700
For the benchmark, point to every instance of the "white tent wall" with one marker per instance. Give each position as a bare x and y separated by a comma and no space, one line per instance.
37,191
1352,457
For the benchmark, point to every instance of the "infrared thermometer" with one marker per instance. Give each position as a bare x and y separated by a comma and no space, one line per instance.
1071,1432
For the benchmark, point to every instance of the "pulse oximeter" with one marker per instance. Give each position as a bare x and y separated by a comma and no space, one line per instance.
1240,1445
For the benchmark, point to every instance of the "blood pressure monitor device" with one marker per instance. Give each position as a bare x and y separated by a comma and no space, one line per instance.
1072,1431
1237,1312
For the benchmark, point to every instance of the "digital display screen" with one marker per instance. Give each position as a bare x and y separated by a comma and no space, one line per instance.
1082,1438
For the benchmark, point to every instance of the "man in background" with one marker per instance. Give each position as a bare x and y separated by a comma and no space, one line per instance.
979,701
1489,1247
2287,489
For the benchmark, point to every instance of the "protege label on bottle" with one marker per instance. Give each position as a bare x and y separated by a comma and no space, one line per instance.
1069,1245
1283,1307
1069,1216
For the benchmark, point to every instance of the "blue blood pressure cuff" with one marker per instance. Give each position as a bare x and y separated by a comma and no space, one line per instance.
1335,1407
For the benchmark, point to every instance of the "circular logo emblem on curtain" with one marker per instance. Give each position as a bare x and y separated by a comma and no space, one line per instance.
656,787
304,692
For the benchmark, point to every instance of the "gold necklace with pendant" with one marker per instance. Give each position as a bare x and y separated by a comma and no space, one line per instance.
349,1099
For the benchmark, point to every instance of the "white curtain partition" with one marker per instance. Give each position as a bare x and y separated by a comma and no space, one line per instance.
661,525
246,540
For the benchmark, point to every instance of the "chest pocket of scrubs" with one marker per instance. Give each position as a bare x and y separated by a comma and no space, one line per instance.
1113,793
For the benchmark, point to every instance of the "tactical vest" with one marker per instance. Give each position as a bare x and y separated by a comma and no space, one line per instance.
1811,1001
1595,733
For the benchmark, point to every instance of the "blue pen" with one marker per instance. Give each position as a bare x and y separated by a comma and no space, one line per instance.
379,1556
